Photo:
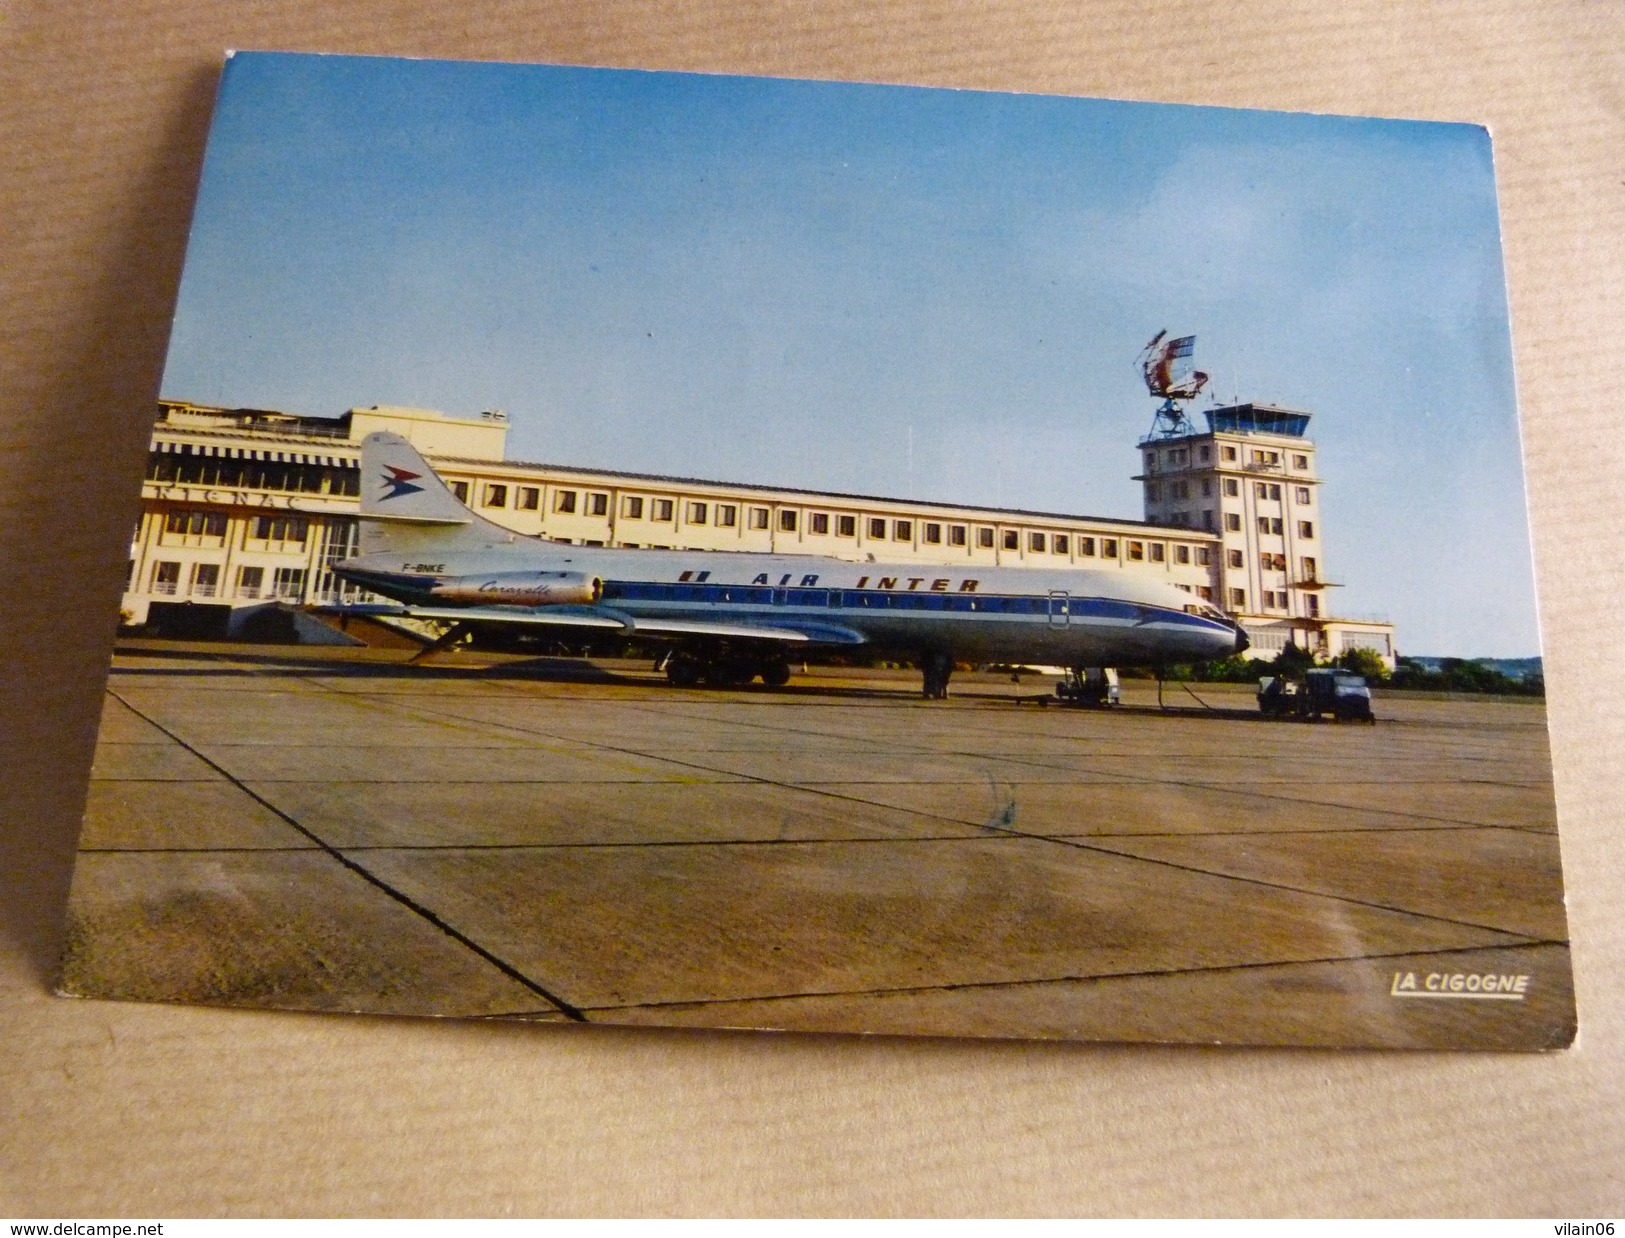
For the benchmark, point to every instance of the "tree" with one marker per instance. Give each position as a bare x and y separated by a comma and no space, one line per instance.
1293,661
1364,662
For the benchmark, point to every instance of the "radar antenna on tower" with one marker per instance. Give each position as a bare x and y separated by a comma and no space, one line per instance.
1166,366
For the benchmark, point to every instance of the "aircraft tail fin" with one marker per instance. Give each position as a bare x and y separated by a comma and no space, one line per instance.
405,505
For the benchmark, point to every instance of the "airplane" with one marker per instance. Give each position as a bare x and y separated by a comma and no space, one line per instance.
729,617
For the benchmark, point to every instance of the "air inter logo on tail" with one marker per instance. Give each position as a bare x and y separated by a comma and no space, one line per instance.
399,481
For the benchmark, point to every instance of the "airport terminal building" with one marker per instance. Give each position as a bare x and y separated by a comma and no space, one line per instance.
245,511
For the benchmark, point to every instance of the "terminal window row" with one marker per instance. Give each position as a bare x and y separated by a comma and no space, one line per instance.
1272,491
287,583
1178,489
876,528
196,524
1179,457
179,469
213,525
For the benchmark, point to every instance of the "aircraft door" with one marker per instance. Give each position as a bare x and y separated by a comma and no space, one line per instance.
1059,608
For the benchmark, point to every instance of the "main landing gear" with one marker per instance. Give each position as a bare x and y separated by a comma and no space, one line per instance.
728,670
937,668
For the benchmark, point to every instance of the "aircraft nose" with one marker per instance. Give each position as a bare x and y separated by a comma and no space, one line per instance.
1242,643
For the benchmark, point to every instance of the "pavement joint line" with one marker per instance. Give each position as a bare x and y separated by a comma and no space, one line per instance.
1097,978
689,842
1059,840
373,879
1064,841
190,850
1079,845
1276,885
1360,831
732,777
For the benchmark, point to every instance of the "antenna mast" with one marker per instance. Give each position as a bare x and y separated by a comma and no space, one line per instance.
1166,367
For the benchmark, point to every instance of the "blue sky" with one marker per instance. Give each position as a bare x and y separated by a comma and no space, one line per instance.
889,290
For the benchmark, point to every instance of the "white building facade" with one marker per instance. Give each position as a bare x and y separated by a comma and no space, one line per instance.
243,510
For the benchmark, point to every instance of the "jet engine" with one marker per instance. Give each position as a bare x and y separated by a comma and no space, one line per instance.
520,589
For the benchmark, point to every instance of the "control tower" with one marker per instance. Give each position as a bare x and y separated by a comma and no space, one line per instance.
1249,476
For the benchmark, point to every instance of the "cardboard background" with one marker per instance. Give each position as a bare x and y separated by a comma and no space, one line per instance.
145,1111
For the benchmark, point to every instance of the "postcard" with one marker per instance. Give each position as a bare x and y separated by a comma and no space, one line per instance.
655,548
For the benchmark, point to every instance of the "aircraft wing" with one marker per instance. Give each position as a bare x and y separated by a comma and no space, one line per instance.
584,617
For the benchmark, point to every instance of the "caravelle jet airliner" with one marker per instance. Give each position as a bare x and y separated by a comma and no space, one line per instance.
730,616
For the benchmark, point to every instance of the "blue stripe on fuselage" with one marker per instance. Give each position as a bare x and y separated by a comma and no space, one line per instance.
628,595
661,598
